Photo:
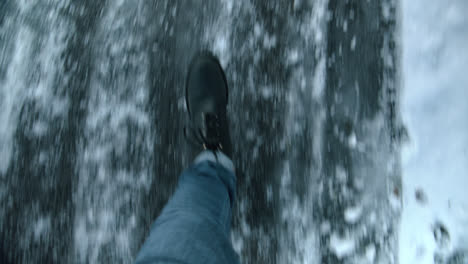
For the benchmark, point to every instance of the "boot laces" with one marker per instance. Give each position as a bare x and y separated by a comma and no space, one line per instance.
212,139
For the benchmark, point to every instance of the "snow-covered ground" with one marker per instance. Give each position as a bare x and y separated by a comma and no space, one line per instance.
95,66
434,227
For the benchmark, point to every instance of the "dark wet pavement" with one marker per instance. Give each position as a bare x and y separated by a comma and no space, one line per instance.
93,112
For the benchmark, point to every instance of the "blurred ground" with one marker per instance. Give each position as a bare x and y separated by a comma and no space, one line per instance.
92,112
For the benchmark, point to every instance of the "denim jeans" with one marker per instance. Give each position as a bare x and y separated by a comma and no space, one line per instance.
194,226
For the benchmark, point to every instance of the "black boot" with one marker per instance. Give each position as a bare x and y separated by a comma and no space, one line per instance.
207,97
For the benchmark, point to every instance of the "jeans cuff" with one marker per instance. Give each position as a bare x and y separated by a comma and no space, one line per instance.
219,158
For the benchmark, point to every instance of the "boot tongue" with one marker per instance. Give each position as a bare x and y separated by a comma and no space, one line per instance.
211,131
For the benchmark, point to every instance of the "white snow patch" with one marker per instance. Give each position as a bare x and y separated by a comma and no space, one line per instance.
245,228
257,30
319,79
341,246
352,140
221,46
353,214
395,201
370,253
310,248
266,92
319,18
237,242
353,43
293,56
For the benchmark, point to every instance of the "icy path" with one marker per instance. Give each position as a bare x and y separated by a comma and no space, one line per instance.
115,155
434,226
92,111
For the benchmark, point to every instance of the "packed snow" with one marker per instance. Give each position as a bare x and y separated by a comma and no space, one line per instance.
434,227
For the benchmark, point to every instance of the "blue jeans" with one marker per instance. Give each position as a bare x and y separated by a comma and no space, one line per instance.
194,227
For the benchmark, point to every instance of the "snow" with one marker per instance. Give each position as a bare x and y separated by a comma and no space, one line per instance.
221,46
266,92
352,140
341,246
370,253
293,56
219,35
341,174
269,41
117,117
353,43
237,241
435,161
352,214
12,92
32,63
325,227
319,79
41,227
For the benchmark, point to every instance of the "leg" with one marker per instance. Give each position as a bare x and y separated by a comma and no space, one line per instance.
194,227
